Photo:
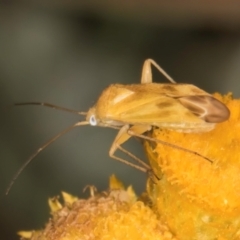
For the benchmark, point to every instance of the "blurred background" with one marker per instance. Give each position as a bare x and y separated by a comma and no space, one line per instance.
66,53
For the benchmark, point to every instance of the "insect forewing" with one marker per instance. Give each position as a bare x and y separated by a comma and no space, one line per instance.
174,106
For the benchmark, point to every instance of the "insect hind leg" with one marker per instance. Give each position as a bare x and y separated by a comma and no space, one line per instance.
147,72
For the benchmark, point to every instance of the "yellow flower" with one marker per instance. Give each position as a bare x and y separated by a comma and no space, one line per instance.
115,214
198,199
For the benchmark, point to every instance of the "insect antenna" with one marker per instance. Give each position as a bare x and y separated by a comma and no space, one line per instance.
170,145
51,106
39,150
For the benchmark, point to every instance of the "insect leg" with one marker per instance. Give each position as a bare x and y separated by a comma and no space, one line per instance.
132,133
147,72
122,137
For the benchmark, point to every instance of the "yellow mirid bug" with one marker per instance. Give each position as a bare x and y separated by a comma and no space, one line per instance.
135,108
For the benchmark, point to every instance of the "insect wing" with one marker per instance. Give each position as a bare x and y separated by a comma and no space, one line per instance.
177,106
156,111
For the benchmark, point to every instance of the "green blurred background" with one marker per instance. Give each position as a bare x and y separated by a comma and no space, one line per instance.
66,54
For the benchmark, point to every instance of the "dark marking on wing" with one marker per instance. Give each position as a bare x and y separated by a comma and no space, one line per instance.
165,104
206,107
170,88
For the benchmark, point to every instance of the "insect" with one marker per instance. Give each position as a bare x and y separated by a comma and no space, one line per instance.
136,108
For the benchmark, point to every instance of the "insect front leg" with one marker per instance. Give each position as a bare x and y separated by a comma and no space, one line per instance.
147,72
122,137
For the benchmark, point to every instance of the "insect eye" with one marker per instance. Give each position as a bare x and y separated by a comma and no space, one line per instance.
93,120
